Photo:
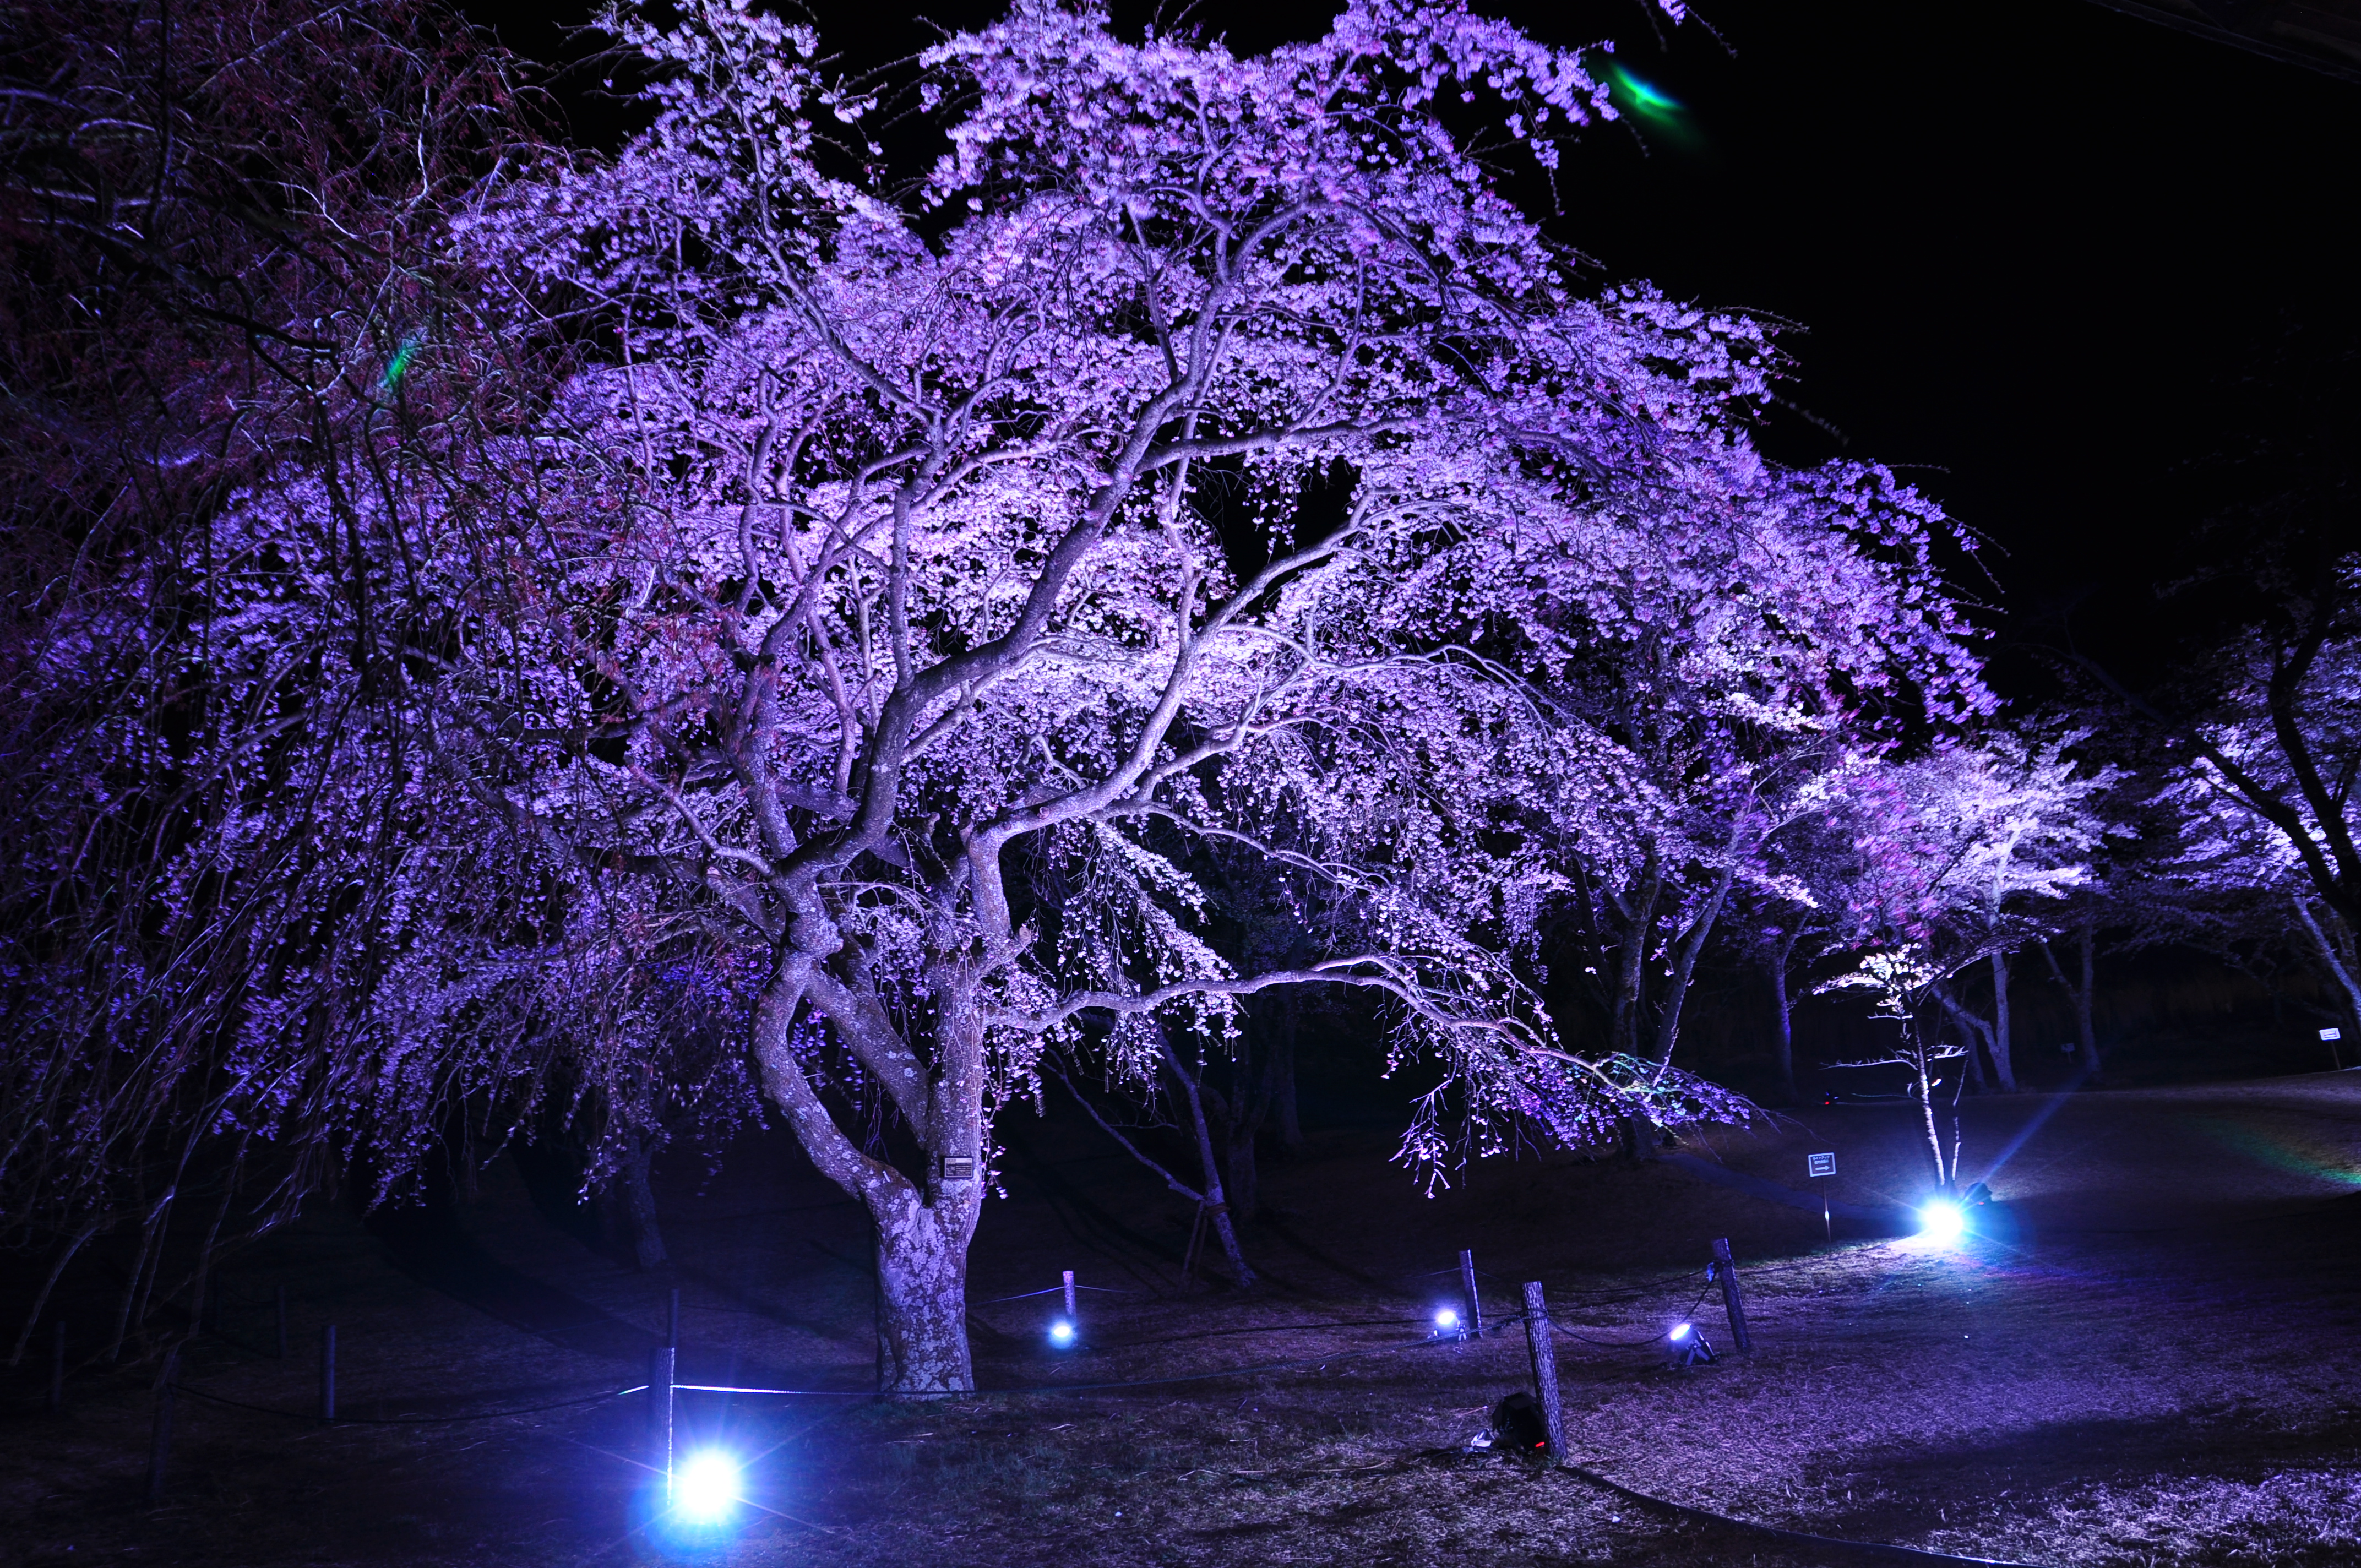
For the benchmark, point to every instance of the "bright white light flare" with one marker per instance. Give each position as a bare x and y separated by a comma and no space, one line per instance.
1445,1321
1680,1331
1942,1221
705,1487
1061,1333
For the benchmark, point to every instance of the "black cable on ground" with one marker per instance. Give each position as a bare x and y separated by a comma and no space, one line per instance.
1880,1551
1631,1343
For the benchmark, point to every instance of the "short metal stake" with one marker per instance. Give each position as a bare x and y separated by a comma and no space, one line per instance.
659,1381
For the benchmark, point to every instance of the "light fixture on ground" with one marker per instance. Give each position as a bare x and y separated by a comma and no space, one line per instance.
705,1487
1061,1334
1943,1220
1446,1321
1688,1344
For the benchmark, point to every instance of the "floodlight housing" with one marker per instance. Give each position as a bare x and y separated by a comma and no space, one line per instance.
1688,1346
1446,1321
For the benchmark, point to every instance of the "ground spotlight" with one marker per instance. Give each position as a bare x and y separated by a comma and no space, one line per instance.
1687,1346
1061,1334
705,1487
1446,1321
1943,1221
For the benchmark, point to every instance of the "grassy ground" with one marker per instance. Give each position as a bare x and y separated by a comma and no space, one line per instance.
2150,1361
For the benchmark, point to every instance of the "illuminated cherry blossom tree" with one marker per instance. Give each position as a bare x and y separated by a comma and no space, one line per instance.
857,652
870,594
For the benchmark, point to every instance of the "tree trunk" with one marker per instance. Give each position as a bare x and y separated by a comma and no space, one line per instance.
1210,1198
1976,1029
2329,955
922,1295
1631,978
1692,942
1240,1178
1783,1041
1217,1209
1999,1038
1925,1085
639,1204
1639,1136
923,1225
1281,1067
2086,1034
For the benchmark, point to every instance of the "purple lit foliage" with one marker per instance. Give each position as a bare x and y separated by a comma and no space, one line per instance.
853,658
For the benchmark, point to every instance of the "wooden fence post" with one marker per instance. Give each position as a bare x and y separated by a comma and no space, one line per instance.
1727,1272
1471,1306
159,1450
1544,1356
660,1380
328,1372
672,1320
1071,1315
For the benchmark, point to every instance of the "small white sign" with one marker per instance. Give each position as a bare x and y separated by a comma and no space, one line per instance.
2332,1034
1822,1164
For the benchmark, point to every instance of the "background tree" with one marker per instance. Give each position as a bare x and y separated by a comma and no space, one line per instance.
1997,834
218,234
2252,697
1702,682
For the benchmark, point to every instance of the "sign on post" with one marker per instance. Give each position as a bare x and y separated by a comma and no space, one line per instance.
1824,1165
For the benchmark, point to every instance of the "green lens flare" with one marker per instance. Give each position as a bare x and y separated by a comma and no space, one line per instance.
1639,96
2281,1153
400,361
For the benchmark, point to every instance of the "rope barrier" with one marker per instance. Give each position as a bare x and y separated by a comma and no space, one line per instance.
1219,1372
1056,1290
402,1421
